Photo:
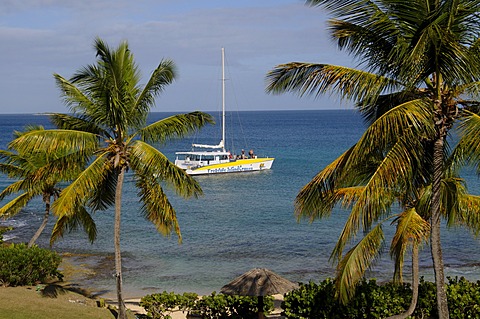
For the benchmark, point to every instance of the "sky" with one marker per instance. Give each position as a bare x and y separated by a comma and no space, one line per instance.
42,37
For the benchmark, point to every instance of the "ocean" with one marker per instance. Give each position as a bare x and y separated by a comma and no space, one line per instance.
243,221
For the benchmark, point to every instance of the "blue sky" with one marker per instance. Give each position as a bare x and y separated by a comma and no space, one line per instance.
42,37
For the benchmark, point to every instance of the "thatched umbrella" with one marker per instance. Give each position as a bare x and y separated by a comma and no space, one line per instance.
258,282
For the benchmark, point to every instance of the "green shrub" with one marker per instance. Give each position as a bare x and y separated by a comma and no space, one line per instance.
427,300
214,306
379,301
159,306
218,306
370,301
221,306
21,266
311,301
463,298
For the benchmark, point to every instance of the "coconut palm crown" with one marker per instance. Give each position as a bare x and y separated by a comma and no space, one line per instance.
40,174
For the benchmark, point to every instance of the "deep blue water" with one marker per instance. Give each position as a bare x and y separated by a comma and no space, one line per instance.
242,221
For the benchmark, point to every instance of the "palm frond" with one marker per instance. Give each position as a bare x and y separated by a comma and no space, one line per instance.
176,126
70,122
414,116
162,76
453,189
468,148
449,27
148,161
371,42
411,229
386,102
393,175
59,169
14,206
470,213
358,12
82,188
27,129
23,185
353,265
349,230
72,95
56,142
472,89
106,93
156,207
316,200
81,218
40,166
347,196
103,196
318,79
12,170
424,201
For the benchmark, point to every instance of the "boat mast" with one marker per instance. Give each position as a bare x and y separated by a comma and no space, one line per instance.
223,99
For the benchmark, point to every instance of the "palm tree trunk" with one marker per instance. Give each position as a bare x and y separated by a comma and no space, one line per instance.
415,282
42,226
118,257
436,246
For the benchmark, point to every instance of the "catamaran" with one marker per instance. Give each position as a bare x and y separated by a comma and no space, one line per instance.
214,159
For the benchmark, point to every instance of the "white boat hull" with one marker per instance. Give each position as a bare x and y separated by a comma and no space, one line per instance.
237,166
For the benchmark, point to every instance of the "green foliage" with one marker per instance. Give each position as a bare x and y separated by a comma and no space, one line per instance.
380,301
311,301
20,265
162,304
318,301
463,298
427,300
221,306
218,306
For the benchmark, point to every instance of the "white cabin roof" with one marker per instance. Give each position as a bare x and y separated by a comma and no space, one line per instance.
204,153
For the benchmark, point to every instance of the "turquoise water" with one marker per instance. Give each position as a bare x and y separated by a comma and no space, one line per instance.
243,221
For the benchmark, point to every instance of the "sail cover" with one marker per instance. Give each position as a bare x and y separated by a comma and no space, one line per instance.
220,145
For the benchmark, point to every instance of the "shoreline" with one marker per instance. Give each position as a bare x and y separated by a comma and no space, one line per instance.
85,268
77,271
96,273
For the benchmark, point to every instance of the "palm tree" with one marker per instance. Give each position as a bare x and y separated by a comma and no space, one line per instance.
428,53
365,180
370,178
108,125
39,174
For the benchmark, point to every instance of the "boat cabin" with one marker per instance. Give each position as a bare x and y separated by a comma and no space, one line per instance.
193,159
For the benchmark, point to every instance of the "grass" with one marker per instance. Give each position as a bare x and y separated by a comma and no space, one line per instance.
53,302
56,300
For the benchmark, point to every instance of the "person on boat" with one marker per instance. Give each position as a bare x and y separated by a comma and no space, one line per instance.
243,154
250,153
